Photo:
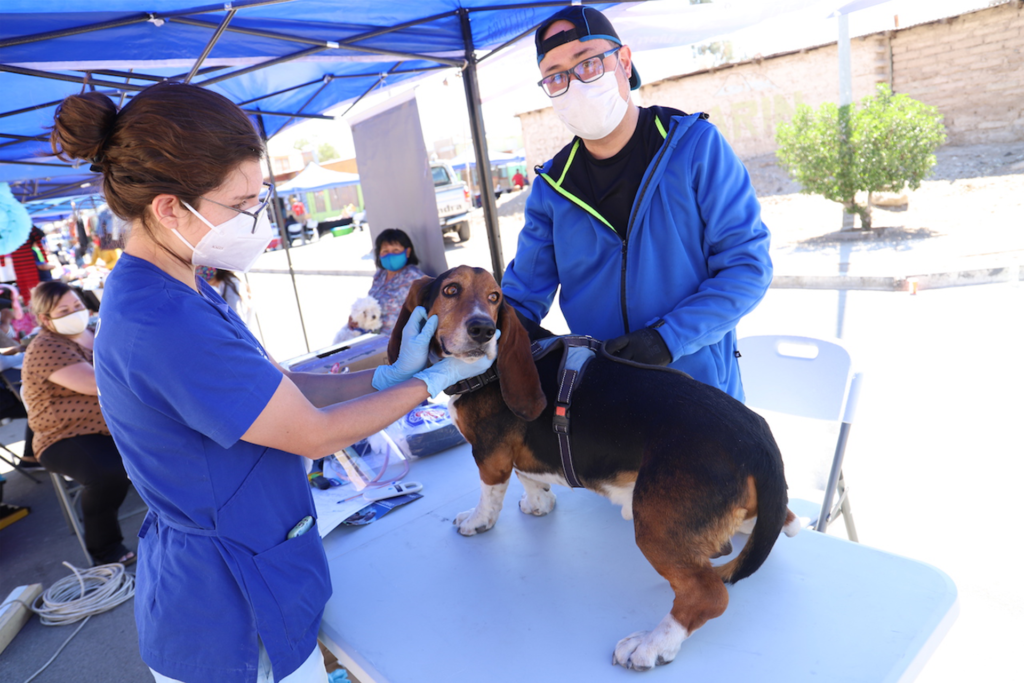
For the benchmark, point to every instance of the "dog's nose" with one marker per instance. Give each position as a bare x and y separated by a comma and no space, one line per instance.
480,330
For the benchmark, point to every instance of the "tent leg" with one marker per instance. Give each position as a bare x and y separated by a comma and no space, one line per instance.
283,231
483,161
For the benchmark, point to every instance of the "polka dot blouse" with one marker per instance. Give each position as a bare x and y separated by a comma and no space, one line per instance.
54,411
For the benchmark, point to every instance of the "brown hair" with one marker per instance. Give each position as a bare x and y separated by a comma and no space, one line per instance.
45,296
171,138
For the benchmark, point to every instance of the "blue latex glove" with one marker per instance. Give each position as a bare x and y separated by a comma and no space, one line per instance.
412,355
442,375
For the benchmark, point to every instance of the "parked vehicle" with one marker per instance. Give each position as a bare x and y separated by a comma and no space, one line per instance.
453,203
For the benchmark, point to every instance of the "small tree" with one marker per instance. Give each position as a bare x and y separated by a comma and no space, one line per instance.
884,145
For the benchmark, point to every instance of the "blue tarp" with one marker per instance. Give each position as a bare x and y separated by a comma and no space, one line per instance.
318,70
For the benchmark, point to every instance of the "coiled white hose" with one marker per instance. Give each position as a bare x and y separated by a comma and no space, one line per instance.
87,592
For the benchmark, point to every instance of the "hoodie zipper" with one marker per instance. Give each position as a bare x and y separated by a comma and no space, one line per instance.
629,229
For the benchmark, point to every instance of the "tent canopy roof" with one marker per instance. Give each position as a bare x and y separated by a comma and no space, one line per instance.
315,178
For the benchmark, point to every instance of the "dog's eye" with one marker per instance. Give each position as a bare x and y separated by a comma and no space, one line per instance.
451,289
493,297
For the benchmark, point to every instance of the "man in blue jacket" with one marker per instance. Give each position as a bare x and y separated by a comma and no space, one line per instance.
647,219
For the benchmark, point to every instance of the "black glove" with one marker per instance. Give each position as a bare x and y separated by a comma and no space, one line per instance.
643,346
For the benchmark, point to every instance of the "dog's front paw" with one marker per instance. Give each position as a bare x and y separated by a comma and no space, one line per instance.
644,650
537,501
470,522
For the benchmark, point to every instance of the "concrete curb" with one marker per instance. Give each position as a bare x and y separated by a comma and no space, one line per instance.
879,283
908,283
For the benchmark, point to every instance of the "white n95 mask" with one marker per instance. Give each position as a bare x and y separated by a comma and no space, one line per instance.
72,323
232,245
591,110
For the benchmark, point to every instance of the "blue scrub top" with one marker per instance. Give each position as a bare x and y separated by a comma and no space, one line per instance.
181,379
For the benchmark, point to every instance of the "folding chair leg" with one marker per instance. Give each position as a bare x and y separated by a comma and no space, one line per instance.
13,462
851,530
67,506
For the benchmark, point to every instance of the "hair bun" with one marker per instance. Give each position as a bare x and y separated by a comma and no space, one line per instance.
82,125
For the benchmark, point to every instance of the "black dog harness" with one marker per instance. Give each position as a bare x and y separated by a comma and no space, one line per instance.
577,350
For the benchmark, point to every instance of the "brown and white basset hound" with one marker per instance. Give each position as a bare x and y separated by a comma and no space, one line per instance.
690,465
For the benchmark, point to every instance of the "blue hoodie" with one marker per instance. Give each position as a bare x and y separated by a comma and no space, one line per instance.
694,259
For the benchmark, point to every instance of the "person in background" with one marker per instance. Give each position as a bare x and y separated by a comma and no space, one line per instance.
108,245
234,292
519,180
11,351
396,271
298,210
30,262
232,579
70,435
647,221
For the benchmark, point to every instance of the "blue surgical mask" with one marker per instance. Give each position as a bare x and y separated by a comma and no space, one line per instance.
394,262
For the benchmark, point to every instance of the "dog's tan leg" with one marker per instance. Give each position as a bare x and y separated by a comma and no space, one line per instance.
700,596
537,496
495,471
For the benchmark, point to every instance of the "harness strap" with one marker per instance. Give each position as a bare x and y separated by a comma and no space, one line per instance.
560,424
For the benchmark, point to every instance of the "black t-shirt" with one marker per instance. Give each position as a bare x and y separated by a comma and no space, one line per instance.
610,186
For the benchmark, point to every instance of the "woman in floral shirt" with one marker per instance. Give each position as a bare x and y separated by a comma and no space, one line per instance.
396,271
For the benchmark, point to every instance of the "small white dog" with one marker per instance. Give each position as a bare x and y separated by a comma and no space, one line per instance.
366,315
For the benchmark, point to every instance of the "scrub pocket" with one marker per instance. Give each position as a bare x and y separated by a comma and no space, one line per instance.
297,576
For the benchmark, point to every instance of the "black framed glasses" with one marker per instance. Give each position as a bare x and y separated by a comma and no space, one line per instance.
254,214
587,71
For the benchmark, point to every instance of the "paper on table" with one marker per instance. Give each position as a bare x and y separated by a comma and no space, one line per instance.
357,466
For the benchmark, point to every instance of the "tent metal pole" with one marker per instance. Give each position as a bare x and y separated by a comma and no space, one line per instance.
34,163
70,79
282,230
327,44
324,117
326,81
483,160
209,45
135,19
379,81
263,65
340,76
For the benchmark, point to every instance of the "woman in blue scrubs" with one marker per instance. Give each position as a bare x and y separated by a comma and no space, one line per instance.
211,428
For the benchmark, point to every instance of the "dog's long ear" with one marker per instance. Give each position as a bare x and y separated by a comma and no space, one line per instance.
416,297
520,383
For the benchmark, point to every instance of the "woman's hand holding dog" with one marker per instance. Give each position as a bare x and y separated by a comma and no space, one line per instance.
448,371
412,356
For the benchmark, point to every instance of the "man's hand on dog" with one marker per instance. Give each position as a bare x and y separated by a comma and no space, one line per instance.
643,346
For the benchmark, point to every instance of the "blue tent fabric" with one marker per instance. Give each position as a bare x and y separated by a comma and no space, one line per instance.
329,51
167,46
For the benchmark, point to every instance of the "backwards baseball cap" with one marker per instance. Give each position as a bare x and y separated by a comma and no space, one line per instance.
588,24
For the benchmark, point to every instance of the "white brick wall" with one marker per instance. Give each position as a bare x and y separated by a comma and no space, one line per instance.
971,67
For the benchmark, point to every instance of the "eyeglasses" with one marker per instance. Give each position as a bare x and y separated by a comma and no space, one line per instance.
587,71
264,197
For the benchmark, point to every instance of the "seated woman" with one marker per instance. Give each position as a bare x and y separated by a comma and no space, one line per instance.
396,271
70,435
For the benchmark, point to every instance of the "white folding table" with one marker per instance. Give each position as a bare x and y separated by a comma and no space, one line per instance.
546,599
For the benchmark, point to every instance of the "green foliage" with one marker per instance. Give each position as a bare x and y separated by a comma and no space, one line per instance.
885,144
325,152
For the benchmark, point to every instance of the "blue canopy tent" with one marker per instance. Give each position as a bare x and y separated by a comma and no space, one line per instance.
280,60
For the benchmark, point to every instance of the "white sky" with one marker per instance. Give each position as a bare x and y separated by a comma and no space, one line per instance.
441,98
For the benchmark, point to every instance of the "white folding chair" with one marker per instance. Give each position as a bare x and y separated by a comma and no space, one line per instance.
811,379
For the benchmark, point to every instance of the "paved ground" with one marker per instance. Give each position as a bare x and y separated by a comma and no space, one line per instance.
934,456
